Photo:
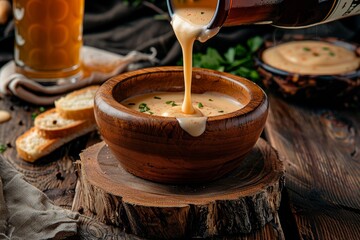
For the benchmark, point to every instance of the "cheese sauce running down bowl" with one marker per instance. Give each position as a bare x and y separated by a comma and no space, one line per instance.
156,147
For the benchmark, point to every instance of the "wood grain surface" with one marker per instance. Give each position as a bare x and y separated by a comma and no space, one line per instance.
322,152
241,202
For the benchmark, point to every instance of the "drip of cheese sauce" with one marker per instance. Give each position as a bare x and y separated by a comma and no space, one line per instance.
191,110
312,58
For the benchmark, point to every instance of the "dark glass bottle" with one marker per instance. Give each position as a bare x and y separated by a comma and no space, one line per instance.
282,13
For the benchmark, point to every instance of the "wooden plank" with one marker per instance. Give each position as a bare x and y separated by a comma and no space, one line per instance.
322,152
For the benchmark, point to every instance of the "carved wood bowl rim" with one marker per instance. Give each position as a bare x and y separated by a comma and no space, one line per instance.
256,94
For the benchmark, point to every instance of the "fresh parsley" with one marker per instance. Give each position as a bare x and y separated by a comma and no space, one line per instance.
37,112
143,107
2,148
237,60
172,103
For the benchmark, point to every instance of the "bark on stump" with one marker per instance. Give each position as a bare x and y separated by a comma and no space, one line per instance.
241,202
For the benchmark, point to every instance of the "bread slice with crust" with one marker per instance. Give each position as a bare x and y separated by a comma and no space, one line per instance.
78,105
31,145
72,117
51,125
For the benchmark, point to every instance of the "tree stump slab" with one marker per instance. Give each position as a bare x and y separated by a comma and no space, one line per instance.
241,202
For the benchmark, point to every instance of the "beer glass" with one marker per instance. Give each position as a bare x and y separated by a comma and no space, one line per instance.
48,38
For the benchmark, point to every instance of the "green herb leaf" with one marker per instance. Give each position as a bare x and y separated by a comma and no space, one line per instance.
212,59
237,60
2,148
172,103
200,105
230,55
143,107
306,49
241,51
34,115
255,43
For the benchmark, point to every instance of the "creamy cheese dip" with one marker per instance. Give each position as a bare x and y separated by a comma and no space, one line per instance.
168,104
311,57
189,24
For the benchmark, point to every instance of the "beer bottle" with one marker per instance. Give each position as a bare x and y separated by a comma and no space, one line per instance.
281,13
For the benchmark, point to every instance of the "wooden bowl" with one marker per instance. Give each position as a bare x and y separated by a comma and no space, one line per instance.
156,148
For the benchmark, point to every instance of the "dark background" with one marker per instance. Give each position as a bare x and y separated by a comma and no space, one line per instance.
118,27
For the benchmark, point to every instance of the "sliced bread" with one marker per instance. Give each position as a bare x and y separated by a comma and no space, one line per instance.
31,145
78,105
51,125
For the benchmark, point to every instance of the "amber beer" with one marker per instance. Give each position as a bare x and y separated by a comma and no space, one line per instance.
48,38
282,13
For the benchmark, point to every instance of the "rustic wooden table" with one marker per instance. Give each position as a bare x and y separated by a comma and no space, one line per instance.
321,149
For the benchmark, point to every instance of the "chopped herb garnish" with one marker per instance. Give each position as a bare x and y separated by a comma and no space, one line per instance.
34,115
326,48
172,103
151,113
200,105
237,59
2,148
156,97
221,111
306,49
143,107
331,54
210,100
131,104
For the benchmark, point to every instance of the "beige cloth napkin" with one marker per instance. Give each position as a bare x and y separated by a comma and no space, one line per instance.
98,66
27,213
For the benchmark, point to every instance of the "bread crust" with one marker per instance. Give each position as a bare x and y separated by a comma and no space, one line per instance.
52,125
67,106
39,150
45,145
72,117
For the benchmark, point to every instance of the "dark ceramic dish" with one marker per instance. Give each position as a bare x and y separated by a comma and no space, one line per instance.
319,88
